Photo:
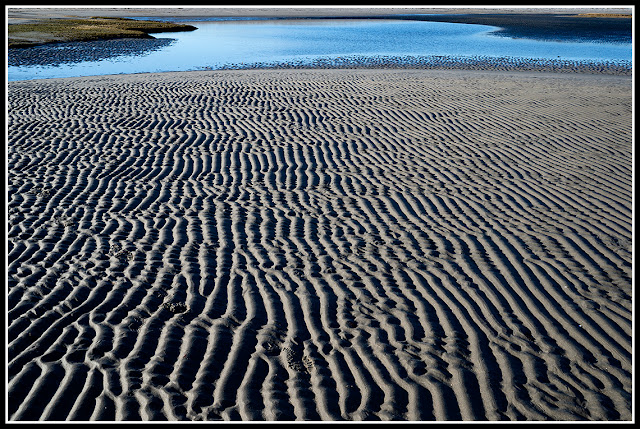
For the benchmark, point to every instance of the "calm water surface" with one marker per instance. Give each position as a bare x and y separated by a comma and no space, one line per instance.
220,44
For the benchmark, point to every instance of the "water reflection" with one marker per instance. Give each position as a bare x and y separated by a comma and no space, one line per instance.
221,44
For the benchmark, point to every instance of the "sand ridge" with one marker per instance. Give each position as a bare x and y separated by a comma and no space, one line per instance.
320,245
24,14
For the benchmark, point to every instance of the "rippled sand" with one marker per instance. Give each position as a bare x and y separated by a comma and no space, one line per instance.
320,245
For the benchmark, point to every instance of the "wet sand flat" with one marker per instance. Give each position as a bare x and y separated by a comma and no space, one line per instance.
320,245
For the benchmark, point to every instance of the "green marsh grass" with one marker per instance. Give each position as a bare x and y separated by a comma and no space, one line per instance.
76,30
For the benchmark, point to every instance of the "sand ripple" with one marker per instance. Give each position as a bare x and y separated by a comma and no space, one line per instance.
320,245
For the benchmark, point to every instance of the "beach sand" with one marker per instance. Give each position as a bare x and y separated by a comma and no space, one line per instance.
320,245
24,14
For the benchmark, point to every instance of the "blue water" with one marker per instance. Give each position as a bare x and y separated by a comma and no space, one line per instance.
223,44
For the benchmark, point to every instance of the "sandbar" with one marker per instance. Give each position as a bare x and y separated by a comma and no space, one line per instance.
320,245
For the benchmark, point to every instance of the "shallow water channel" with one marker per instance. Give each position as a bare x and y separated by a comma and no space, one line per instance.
267,42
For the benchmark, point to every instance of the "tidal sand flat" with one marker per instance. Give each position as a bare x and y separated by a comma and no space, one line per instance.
320,245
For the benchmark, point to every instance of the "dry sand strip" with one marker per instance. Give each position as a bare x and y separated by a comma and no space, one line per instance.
320,245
